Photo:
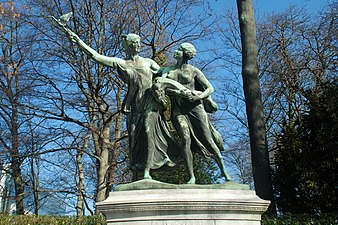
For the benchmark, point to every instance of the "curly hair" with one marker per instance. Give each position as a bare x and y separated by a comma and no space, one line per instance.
188,49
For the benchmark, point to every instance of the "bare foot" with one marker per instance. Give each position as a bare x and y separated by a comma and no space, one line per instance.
226,175
147,175
171,163
192,180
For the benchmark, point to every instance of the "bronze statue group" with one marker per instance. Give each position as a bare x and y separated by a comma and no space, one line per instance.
151,145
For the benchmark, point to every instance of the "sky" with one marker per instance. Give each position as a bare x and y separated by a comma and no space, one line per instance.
268,6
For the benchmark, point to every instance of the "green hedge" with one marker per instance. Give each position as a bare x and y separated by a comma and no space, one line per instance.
100,220
54,220
301,220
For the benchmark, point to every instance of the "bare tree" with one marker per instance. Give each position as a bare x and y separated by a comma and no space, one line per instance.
90,97
238,155
14,85
295,55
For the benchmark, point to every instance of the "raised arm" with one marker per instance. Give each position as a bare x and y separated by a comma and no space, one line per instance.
105,60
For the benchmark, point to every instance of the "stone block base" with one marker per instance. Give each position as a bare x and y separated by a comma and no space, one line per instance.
183,207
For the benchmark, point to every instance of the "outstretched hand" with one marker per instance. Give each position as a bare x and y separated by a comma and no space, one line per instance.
62,22
72,36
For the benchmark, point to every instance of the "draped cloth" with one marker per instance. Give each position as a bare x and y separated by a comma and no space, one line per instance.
204,137
148,133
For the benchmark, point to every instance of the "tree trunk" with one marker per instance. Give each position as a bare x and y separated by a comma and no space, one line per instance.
101,171
116,145
254,108
102,148
81,177
81,185
19,190
16,162
35,185
35,170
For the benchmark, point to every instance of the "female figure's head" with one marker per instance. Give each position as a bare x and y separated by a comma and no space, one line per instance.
185,51
131,44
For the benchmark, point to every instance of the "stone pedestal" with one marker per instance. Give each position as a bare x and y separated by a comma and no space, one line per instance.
187,206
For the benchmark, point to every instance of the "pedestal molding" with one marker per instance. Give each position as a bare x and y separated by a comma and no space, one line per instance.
183,206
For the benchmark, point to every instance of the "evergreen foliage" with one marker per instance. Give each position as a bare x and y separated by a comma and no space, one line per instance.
288,219
305,179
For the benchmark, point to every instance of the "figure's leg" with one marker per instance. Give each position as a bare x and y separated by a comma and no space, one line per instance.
220,163
146,174
131,129
203,131
182,127
147,125
219,160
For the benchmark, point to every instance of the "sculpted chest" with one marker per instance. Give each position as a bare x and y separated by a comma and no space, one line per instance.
139,71
183,76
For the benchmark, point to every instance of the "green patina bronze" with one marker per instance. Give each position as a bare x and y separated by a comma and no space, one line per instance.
151,145
190,97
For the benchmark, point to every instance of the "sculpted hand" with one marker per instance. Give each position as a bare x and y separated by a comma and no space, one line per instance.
192,96
72,36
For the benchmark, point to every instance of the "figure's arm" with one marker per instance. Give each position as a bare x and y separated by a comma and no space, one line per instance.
173,92
105,60
173,88
158,73
166,71
155,67
208,89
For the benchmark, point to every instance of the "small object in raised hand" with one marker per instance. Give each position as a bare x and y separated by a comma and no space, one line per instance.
63,19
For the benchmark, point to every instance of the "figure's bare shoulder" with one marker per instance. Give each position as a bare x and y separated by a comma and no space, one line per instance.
148,60
193,69
153,64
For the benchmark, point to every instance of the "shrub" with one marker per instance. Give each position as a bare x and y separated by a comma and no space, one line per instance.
301,220
54,220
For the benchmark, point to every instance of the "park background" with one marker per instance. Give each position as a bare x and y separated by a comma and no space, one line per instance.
63,138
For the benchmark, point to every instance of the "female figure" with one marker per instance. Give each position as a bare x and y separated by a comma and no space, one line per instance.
188,113
148,134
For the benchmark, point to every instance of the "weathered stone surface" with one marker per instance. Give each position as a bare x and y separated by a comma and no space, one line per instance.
147,184
183,207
